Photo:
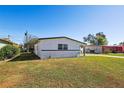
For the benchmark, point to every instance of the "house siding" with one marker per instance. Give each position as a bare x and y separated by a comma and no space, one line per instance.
96,49
48,48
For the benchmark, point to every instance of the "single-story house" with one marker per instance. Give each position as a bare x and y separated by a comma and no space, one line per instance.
93,49
114,49
5,41
2,45
54,47
104,49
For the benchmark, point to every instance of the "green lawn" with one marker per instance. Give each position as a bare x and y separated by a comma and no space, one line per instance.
64,72
116,54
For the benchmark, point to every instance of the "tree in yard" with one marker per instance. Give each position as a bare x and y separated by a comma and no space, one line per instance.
101,38
98,39
90,39
29,42
121,43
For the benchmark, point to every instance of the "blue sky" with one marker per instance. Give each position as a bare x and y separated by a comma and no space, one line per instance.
72,21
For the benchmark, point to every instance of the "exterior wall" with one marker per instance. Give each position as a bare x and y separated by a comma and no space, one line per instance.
104,49
48,48
2,45
58,54
114,49
96,49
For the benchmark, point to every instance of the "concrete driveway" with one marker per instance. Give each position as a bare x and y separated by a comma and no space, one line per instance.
103,55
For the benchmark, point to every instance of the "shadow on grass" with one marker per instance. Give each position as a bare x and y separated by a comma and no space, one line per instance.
25,56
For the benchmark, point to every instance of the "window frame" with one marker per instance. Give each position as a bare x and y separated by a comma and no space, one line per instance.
62,47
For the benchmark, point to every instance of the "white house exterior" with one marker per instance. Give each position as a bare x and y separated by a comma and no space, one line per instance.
93,49
55,47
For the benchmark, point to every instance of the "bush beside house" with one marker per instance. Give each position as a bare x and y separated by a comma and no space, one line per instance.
8,51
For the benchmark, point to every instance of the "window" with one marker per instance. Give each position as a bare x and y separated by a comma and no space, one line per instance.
65,47
62,47
59,46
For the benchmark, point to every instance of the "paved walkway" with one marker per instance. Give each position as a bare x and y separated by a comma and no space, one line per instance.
103,55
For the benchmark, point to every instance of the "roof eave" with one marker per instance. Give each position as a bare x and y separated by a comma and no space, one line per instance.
62,37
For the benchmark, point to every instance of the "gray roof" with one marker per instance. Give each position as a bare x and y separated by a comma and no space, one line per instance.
61,37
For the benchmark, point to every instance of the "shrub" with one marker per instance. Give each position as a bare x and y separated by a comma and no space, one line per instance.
8,51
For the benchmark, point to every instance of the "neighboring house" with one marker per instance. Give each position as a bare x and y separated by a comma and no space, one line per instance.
114,49
93,49
104,49
7,41
54,47
2,45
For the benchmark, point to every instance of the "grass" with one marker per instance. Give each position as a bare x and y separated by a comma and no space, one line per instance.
116,54
64,72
